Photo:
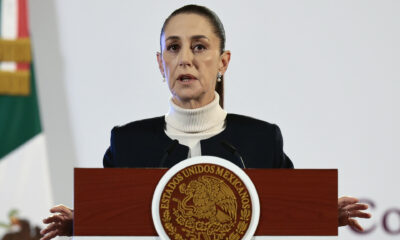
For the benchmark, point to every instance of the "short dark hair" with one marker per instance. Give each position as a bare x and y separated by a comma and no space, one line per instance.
205,12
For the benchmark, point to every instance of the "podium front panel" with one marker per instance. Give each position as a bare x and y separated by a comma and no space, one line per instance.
117,201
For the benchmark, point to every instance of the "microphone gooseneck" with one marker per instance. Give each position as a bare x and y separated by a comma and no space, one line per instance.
234,151
168,151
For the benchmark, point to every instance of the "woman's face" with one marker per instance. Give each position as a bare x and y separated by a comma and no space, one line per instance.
191,59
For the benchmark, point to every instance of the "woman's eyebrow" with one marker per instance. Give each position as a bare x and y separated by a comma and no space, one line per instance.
195,37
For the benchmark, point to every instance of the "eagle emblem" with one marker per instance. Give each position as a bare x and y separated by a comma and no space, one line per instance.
210,199
205,202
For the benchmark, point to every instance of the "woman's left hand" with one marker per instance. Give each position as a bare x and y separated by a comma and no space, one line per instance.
349,208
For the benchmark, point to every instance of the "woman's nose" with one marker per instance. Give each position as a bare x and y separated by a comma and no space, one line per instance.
186,57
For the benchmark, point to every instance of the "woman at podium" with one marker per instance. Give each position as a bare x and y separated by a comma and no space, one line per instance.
192,62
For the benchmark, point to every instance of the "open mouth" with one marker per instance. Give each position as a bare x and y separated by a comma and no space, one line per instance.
186,77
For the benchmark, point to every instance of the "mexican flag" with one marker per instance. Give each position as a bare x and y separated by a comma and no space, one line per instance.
24,174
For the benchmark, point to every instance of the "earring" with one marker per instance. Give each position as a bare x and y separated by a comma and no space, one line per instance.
163,78
219,77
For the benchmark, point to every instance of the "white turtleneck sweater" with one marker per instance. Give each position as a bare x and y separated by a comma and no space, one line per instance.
189,126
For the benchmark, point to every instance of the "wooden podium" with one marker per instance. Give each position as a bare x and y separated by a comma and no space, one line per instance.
117,201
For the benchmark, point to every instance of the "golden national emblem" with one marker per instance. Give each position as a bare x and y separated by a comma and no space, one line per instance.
205,201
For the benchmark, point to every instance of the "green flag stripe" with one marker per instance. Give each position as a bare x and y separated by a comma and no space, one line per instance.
19,119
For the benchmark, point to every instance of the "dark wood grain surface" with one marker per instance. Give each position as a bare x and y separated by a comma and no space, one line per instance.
117,202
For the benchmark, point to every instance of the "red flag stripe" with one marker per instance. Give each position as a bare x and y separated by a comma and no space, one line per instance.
23,27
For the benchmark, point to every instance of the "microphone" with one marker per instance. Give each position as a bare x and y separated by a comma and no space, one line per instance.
168,151
234,151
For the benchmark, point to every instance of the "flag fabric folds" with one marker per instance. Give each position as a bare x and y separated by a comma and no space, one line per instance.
24,173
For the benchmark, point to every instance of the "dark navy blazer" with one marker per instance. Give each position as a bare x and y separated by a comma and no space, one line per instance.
143,144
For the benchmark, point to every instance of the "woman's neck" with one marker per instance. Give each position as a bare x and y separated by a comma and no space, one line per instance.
194,103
